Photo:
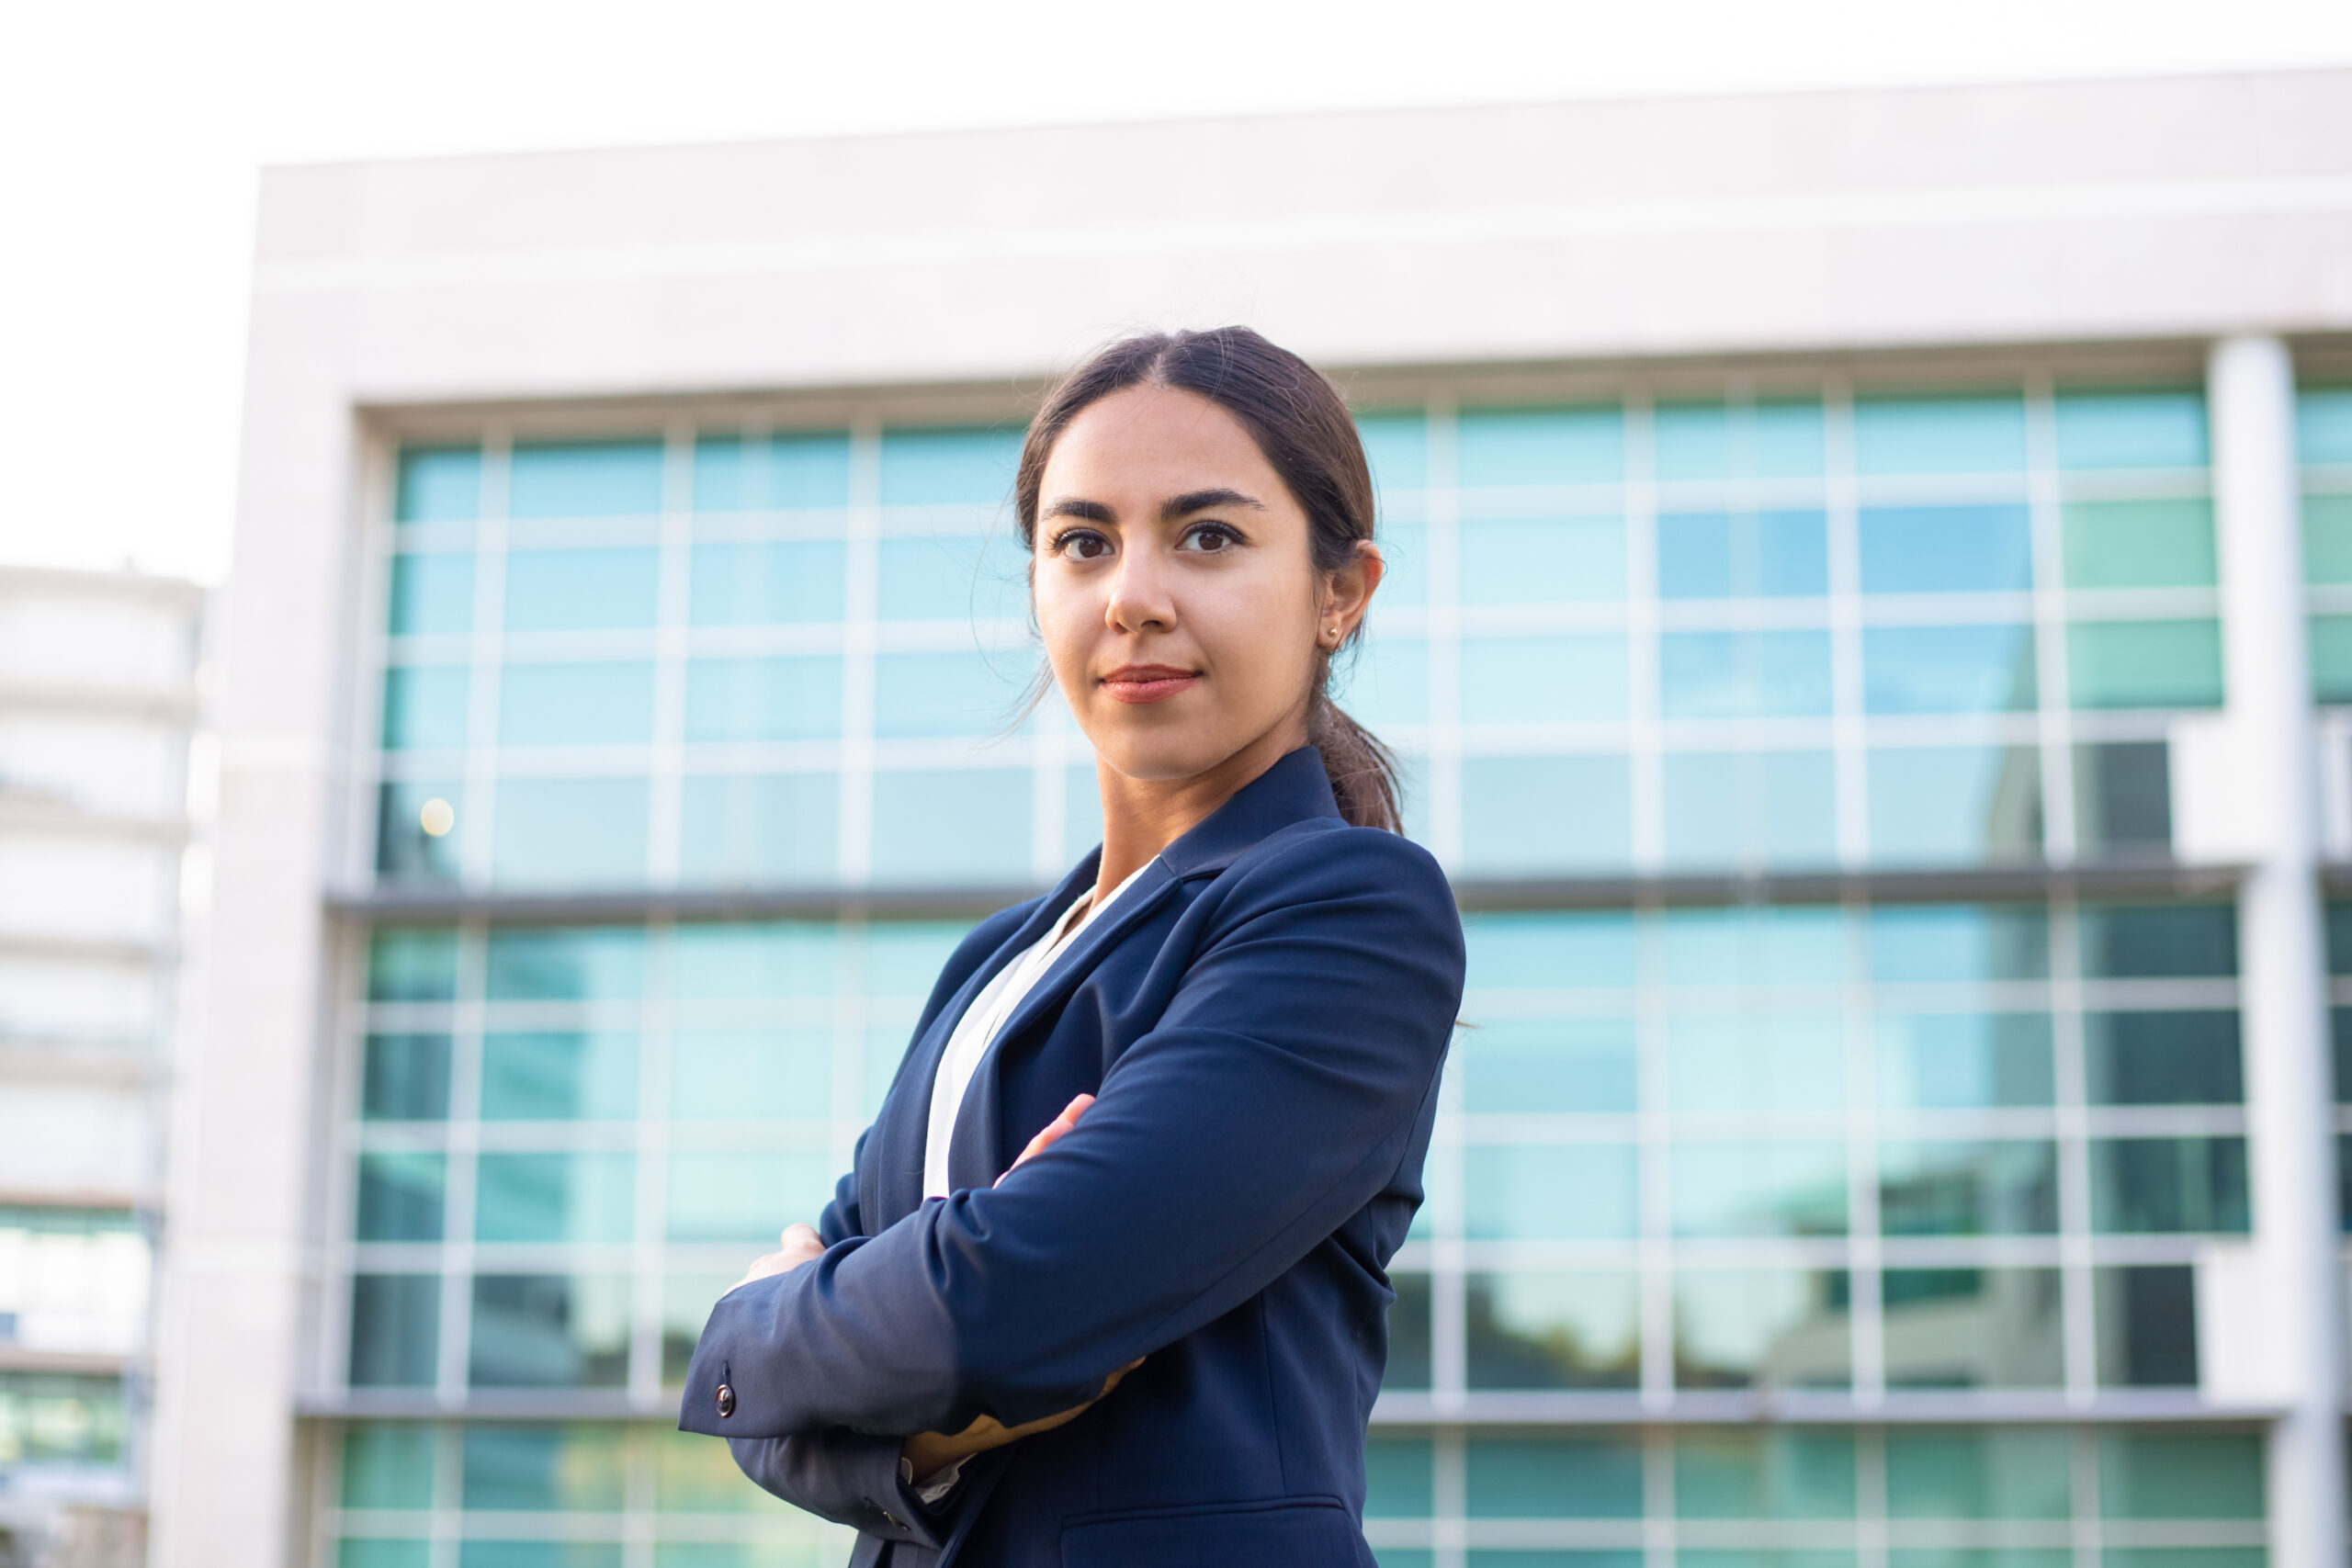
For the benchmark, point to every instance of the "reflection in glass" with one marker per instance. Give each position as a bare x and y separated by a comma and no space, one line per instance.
2168,1186
1764,1475
2159,942
563,963
1582,1477
2180,1056
1725,1189
1981,668
1974,1328
1752,1060
1744,674
782,582
549,1331
1722,441
747,828
388,1464
686,1300
1549,1192
399,1197
1532,816
1520,1065
1409,1333
395,1326
1943,943
1946,549
1948,804
1987,1187
1739,1328
1749,807
2123,795
1978,1473
406,848
740,1196
1964,1061
567,1197
1526,560
579,1468
571,832
558,1075
2156,1474
767,1074
581,589
2147,1329
405,1077
412,964
1552,1329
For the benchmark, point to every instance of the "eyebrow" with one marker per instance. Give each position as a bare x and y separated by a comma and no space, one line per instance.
1174,507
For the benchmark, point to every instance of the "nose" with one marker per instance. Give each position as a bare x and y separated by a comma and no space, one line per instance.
1140,599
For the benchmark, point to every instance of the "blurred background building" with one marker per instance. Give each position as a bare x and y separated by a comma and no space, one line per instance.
1856,651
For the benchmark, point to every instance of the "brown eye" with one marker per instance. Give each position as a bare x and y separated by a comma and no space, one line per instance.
1082,544
1210,538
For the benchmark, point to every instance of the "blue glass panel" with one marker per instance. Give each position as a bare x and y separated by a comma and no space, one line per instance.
1964,1061
952,577
1527,816
1396,445
395,1329
432,595
1526,560
1552,1477
438,484
1543,680
1539,447
565,964
558,1075
919,694
1954,805
2132,430
608,704
1758,946
1946,550
967,468
570,832
1405,553
1385,680
1759,1189
410,964
727,1075
1948,668
790,582
1940,435
798,697
1512,1191
1765,1476
425,706
555,1197
2323,424
783,471
399,1197
1548,949
1936,944
584,479
737,829
1694,556
1791,440
1762,675
723,479
1721,555
1755,1061
1714,441
789,959
1693,441
1728,809
581,590
969,825
1511,1065
1739,1328
745,1197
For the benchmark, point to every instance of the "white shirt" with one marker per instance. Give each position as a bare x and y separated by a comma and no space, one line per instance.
977,1028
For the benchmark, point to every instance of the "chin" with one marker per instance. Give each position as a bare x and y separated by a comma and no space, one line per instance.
1160,763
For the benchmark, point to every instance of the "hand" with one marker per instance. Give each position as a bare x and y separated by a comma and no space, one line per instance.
930,1452
799,1245
1052,1132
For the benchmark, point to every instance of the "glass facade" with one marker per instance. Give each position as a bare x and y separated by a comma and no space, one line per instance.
1925,1152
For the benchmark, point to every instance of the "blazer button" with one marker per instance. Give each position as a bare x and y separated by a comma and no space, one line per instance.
726,1401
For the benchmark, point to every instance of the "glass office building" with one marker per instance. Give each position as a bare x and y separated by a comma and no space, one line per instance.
1862,1145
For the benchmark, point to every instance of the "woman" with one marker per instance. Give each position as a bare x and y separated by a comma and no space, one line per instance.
1157,1340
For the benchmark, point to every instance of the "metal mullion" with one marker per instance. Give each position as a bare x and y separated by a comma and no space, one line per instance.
1449,1497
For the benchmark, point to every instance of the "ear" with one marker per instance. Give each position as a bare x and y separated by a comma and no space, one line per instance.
1347,593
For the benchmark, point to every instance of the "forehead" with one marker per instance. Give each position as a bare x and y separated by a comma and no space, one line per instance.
1161,440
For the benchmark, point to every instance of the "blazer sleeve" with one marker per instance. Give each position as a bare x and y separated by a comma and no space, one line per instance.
1277,1095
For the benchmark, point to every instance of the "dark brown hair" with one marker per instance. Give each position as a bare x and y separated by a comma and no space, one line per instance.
1300,422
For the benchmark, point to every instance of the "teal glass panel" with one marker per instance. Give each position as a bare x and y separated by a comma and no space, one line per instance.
571,832
2147,1326
1764,1475
1755,1061
1958,1187
2330,657
727,960
1687,1557
1527,816
1788,440
1405,555
921,694
1948,668
1539,447
582,1468
952,468
2168,1186
1946,549
952,577
790,698
539,1554
549,1331
2184,1557
2176,1057
608,704
1936,943
555,1197
2131,430
737,829
438,484
558,1075
2148,1475
1527,560
395,1329
2123,795
1552,1329
790,582
1543,680
779,472
388,1464
2144,664
1568,1065
765,1074
1409,1333
404,1078
565,964
1553,1477
1399,1473
382,1552
1973,1327
399,1197
1397,447
1980,1557
584,479
1384,681
1759,1189
2139,544
745,1197
2323,425
903,958
1512,1191
969,825
1757,946
1980,1473
406,848
426,707
432,595
2327,538
2157,941
1579,950
1719,555
409,963
1402,1557
1964,1061
1741,808
1954,805
1940,435
581,589
1755,674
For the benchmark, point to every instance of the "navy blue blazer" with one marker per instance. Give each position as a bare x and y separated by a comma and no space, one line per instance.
1263,1016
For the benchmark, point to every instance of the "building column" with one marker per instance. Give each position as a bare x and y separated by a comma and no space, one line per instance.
2283,969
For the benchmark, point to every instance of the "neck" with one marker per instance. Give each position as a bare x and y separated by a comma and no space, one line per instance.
1143,816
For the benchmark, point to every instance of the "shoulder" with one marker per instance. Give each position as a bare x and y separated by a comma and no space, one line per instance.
1325,869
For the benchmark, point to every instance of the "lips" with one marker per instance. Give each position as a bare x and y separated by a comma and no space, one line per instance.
1147,683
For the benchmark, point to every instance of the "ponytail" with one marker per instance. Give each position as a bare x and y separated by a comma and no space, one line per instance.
1362,770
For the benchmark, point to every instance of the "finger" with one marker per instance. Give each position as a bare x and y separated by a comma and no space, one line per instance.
1053,1129
800,1236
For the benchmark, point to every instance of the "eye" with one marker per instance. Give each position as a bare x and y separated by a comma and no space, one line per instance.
1081,544
1210,539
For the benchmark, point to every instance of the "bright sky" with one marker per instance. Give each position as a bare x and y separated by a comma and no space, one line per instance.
130,134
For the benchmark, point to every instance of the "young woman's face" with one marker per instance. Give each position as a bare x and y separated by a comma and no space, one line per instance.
1180,604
